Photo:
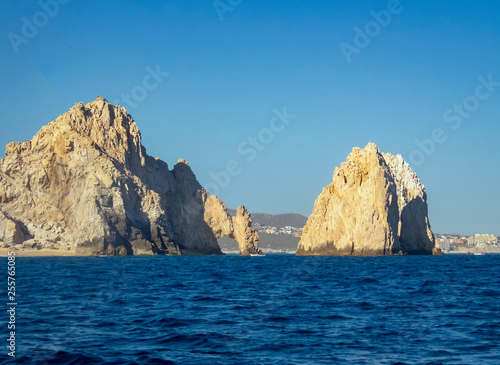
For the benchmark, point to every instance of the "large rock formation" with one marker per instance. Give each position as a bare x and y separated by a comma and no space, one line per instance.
85,182
375,205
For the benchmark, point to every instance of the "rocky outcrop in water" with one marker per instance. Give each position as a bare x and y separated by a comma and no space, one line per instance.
375,205
86,183
414,230
238,227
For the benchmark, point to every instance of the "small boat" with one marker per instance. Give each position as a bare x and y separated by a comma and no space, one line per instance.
257,254
478,254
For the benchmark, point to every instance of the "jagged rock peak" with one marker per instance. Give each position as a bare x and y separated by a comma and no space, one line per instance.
408,183
238,227
108,126
414,229
375,205
85,183
244,233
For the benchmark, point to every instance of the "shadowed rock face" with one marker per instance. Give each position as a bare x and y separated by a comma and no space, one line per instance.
85,182
11,231
414,230
374,206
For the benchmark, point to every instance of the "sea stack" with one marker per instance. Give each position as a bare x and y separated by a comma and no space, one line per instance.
85,183
375,205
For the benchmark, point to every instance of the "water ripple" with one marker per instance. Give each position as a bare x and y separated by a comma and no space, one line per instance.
278,309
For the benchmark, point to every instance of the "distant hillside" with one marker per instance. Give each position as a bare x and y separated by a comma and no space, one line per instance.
268,243
278,220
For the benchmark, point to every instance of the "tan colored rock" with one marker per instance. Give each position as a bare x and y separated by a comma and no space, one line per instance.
216,215
11,231
414,230
239,227
86,181
374,206
244,234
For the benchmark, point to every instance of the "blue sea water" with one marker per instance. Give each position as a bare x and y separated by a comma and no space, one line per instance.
278,309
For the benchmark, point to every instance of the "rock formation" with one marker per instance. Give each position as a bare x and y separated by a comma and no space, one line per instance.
238,227
244,233
375,205
414,229
11,231
85,182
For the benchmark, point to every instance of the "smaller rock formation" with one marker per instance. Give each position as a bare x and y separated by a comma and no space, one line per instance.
244,234
238,228
375,205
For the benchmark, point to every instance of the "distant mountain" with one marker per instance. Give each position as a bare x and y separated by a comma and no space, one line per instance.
277,220
269,243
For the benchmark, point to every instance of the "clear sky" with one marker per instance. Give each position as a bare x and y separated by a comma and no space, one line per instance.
207,81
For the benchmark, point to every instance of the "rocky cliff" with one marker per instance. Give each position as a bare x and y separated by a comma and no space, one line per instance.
238,227
414,229
86,183
375,205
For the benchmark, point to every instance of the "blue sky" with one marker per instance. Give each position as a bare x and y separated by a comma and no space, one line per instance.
231,70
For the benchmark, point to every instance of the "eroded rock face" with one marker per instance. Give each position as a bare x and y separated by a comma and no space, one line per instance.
239,227
11,231
86,183
375,206
244,234
414,230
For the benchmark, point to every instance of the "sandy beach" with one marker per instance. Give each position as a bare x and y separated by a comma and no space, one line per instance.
37,253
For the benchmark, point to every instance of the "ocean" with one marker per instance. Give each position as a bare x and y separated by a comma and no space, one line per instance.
278,309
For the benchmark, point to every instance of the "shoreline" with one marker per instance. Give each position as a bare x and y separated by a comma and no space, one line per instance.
472,250
39,253
72,253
